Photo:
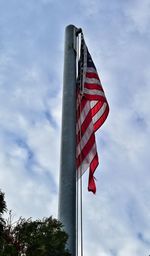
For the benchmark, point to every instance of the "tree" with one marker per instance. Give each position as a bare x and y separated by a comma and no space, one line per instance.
2,210
26,237
2,222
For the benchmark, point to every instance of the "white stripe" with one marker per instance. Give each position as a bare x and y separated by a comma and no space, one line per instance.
92,81
93,103
94,92
83,115
86,163
91,70
85,138
99,113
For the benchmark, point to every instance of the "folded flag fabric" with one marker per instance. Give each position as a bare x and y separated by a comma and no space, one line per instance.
92,111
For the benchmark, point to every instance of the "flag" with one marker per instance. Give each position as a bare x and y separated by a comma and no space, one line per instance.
92,111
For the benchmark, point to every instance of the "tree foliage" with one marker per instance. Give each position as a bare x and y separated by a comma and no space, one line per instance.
2,210
28,237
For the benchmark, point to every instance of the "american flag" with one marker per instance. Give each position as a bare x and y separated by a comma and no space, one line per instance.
92,111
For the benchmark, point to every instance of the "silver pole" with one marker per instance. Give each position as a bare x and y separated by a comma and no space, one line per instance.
67,189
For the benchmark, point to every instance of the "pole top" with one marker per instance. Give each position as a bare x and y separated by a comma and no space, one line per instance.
77,30
72,33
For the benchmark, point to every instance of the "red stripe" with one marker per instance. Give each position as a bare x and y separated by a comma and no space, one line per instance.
92,75
93,165
85,125
100,121
85,151
93,86
97,107
94,97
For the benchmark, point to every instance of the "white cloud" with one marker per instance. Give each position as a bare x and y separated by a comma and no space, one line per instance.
116,220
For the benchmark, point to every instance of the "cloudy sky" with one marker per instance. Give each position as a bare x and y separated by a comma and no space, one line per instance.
117,218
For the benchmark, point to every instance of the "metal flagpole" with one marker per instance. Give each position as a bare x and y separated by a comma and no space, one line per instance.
67,187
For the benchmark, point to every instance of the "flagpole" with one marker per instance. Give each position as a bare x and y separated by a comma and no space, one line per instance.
67,186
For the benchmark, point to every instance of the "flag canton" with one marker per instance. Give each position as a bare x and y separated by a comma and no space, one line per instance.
90,63
85,60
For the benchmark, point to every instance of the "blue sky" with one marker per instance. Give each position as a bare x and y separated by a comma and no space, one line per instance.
117,219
